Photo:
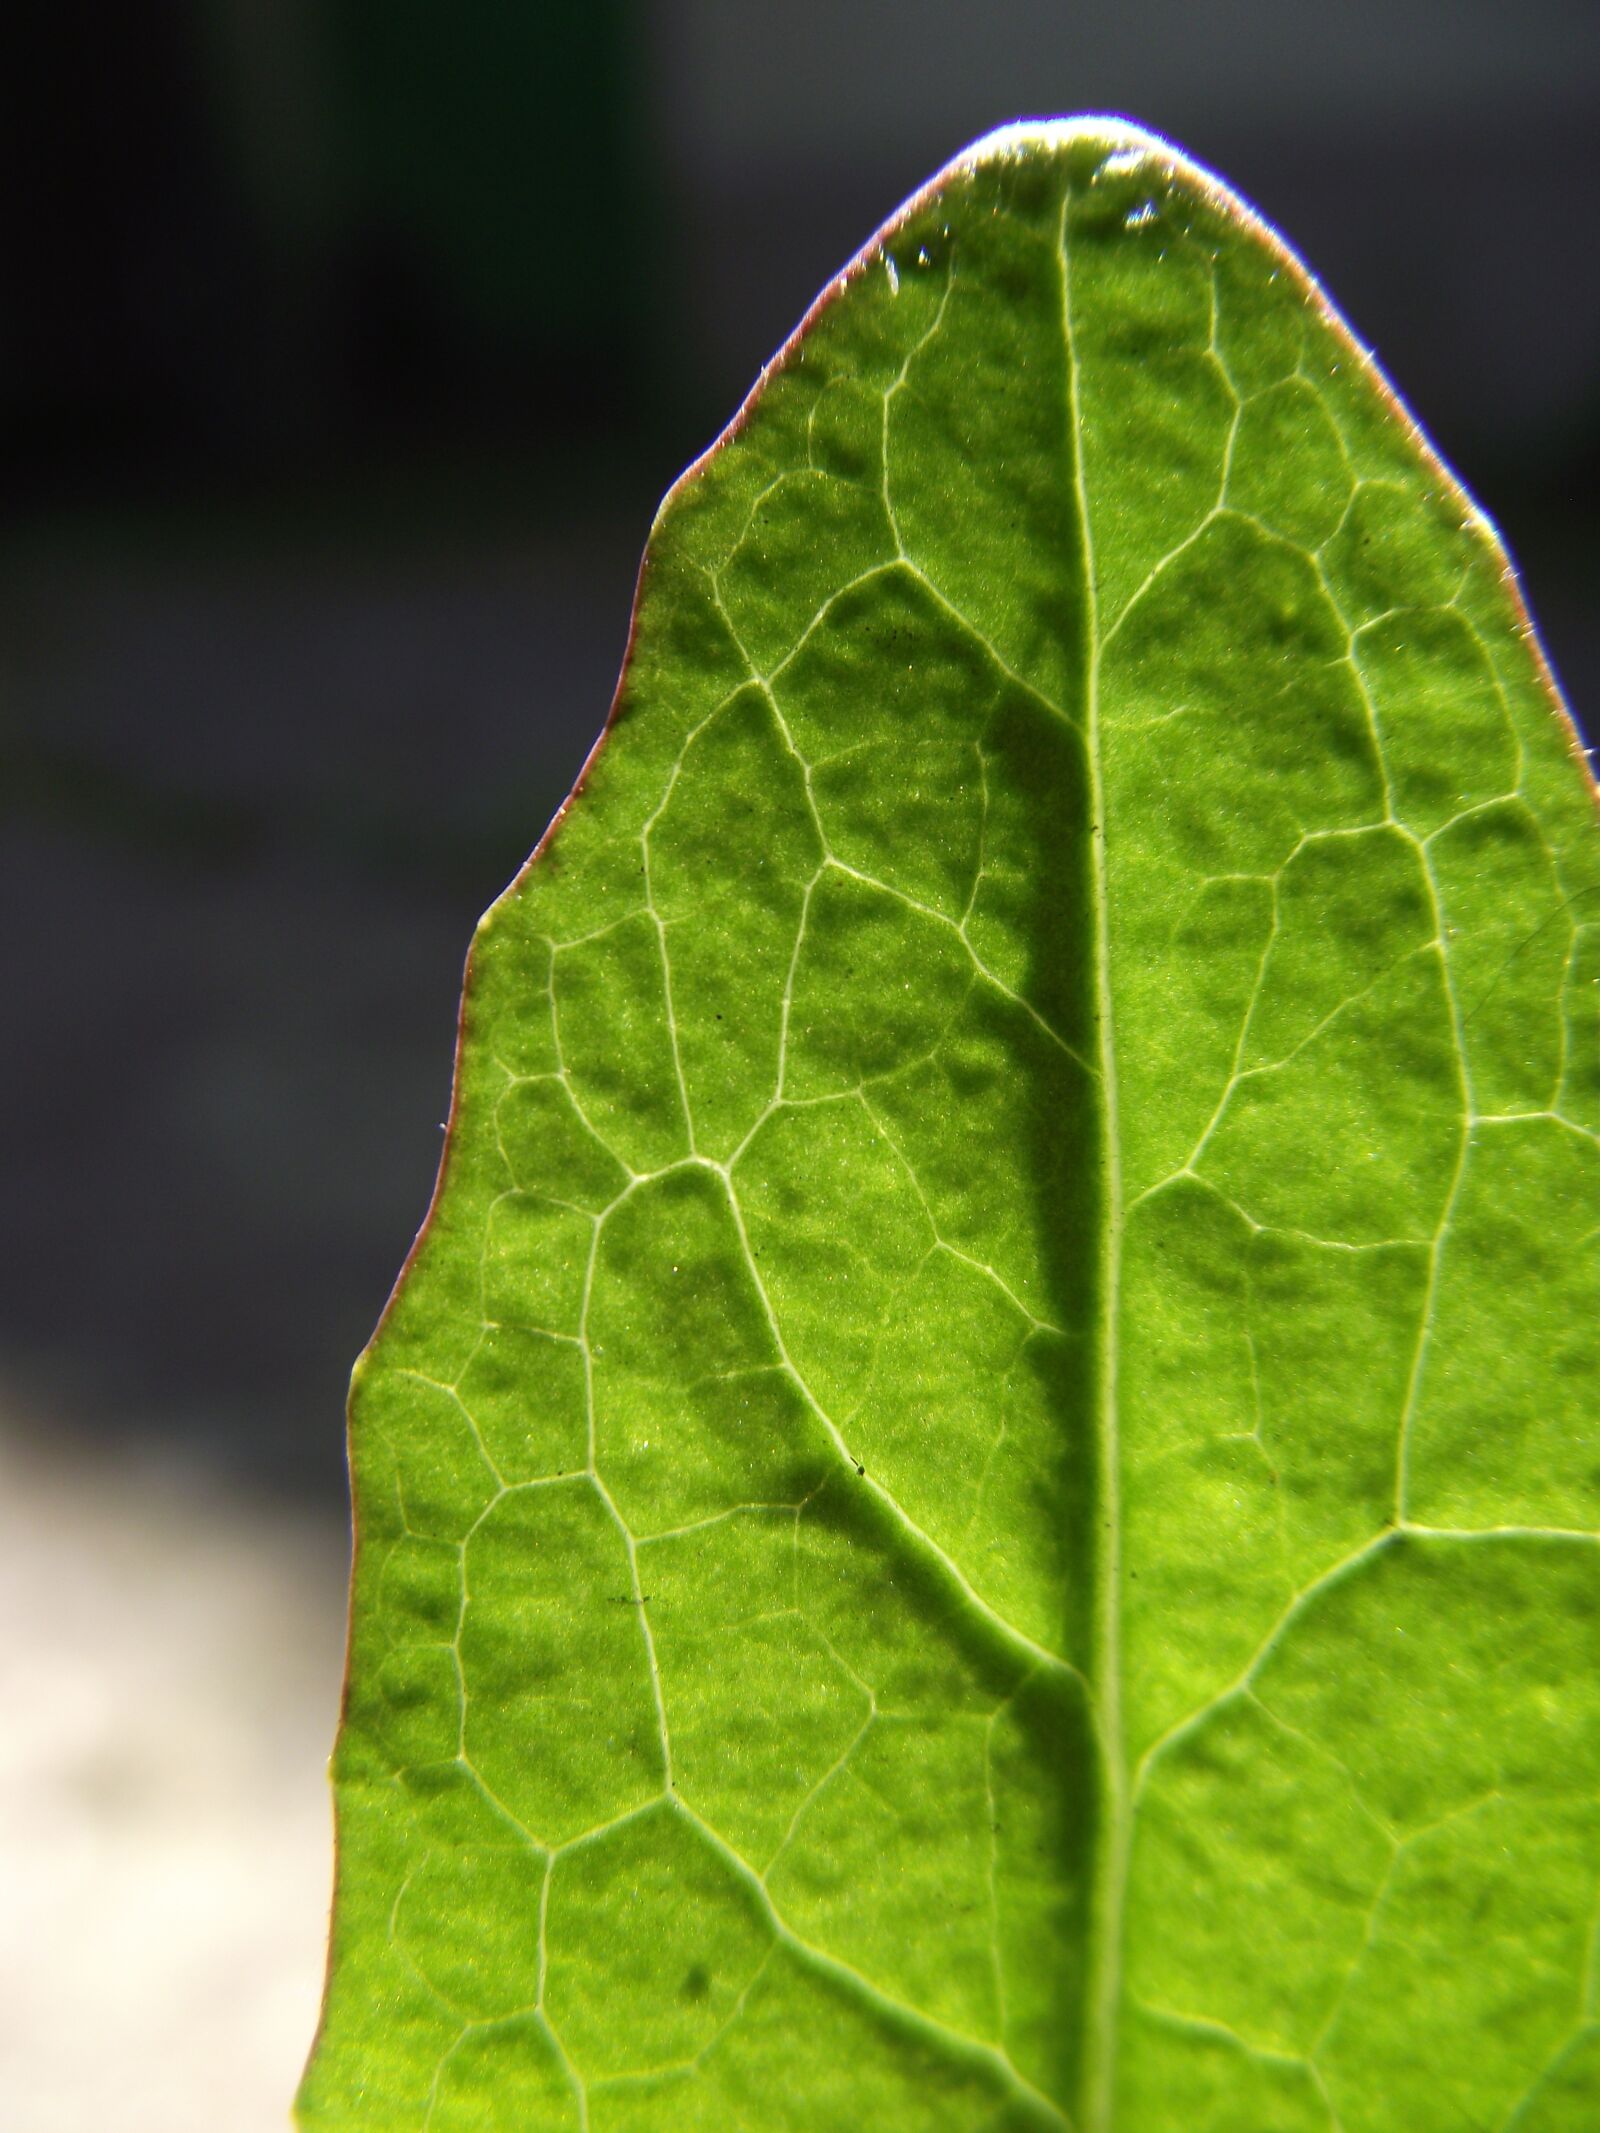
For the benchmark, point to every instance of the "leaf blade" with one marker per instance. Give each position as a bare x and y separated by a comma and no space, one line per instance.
1026,1005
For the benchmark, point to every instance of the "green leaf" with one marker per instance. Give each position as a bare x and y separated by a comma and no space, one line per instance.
978,1508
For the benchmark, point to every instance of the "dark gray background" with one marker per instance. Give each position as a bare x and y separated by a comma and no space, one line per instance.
345,350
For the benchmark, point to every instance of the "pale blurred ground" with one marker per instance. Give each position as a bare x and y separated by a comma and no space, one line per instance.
168,1683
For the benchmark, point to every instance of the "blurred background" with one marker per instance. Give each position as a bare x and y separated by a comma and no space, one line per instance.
346,347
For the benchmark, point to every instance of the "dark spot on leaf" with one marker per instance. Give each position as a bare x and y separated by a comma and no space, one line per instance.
697,1982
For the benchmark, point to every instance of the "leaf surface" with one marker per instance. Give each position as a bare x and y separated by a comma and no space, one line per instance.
978,1507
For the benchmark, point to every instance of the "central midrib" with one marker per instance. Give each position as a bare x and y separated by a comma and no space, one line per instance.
1103,1975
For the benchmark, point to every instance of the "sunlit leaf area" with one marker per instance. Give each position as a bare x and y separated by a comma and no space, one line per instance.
977,1506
